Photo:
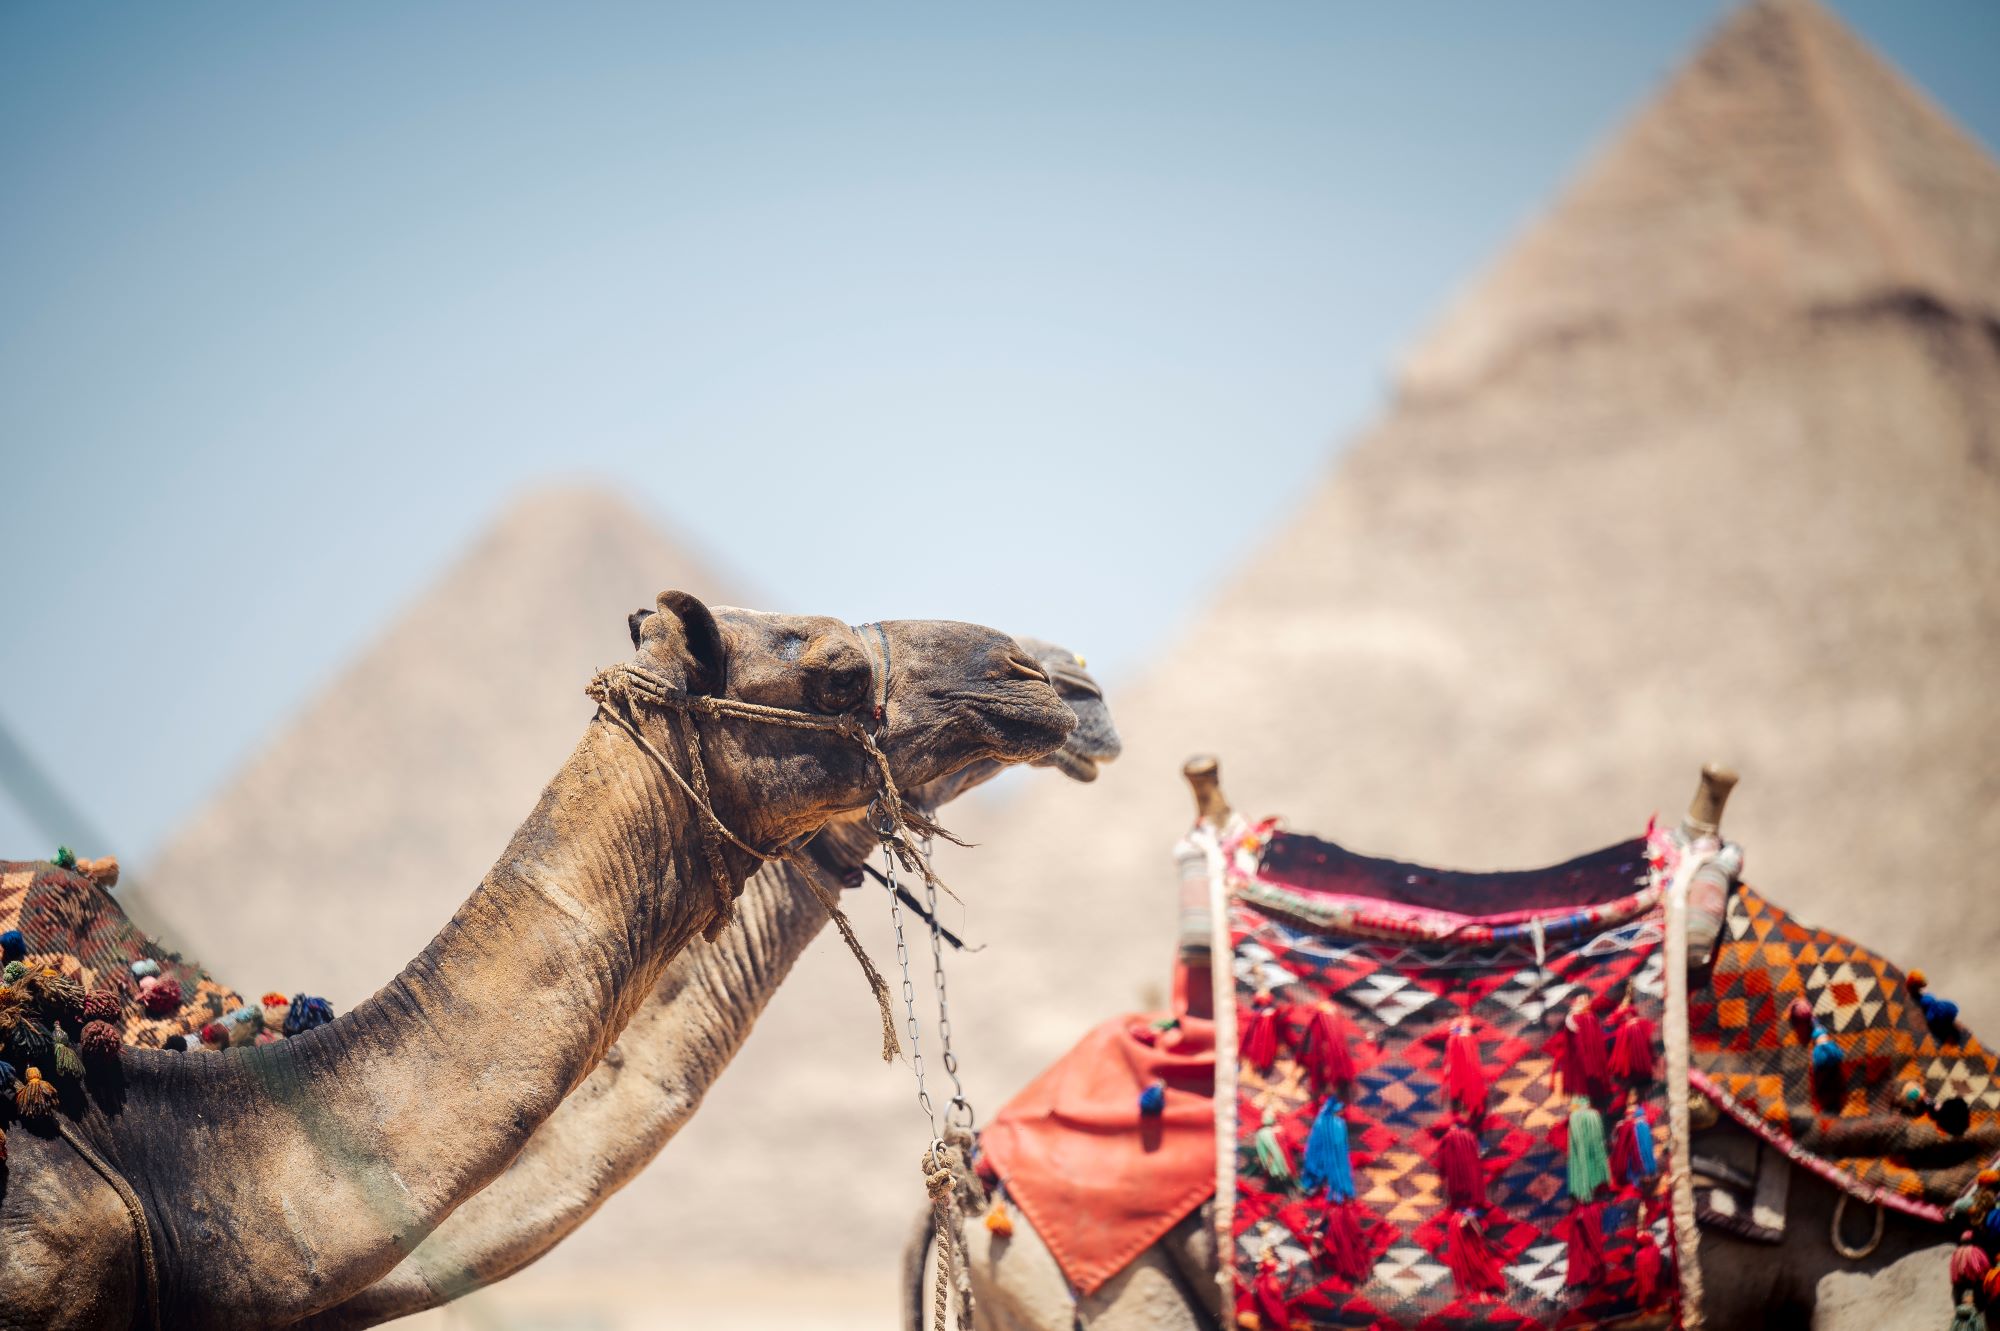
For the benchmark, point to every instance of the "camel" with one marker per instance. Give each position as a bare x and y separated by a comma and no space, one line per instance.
1803,1281
259,1185
680,1040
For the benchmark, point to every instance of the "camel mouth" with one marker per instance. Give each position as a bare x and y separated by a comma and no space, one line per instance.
1019,720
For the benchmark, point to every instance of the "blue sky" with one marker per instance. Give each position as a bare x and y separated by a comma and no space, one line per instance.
293,299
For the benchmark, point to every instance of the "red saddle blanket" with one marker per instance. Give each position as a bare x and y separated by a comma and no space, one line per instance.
69,922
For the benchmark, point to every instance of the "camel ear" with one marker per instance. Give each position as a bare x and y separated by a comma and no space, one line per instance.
700,640
633,621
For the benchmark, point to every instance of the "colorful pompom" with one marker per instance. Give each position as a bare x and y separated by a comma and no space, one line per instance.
1153,1099
215,1035
160,995
13,946
100,1039
143,967
12,972
1969,1262
1941,1015
65,858
307,1012
102,1005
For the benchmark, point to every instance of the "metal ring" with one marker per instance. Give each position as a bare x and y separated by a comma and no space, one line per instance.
1841,1245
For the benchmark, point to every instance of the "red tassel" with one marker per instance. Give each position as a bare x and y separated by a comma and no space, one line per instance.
1472,1263
1260,1034
1324,1049
1581,1057
1346,1250
1583,1229
1632,1050
1267,1296
1464,1079
1647,1268
1458,1162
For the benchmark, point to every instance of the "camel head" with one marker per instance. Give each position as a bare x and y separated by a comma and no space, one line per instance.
935,696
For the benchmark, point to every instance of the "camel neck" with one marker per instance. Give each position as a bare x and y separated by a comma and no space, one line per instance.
364,1134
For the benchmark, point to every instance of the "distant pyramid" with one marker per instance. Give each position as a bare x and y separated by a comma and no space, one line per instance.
342,849
1708,466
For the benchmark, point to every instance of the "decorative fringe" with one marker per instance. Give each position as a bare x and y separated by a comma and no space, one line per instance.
1632,1154
34,1098
1472,1262
1464,1078
1346,1249
1271,1158
1153,1099
13,946
1458,1162
1260,1034
1969,1262
1632,1059
1324,1050
1589,1166
1327,1163
998,1223
1583,1231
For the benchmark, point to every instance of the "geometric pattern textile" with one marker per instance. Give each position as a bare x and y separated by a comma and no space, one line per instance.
72,924
1409,958
1755,1062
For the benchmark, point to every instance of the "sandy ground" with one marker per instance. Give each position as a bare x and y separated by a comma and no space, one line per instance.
674,1300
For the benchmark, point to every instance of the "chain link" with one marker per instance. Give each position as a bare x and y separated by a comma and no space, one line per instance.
950,1060
910,990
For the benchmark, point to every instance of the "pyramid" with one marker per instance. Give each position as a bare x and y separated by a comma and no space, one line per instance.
1706,467
340,851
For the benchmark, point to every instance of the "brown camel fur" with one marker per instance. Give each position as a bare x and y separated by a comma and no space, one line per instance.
280,1180
677,1044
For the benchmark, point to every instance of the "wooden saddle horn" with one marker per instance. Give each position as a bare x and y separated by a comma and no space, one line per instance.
1204,778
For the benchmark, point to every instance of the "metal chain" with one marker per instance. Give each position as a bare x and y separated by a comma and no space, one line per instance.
910,989
950,1059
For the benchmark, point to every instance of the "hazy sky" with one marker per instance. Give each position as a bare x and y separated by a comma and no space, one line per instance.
294,298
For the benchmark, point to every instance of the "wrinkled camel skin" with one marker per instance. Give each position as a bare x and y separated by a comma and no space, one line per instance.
280,1180
1799,1283
678,1043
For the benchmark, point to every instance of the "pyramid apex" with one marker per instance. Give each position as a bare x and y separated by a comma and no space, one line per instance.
1786,167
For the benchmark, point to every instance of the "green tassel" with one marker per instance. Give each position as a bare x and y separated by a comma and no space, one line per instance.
1589,1162
67,1063
65,858
1271,1152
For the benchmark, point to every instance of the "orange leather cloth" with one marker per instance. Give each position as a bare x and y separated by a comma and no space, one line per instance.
1099,1181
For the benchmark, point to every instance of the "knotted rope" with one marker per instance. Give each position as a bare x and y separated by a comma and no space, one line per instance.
619,690
942,1166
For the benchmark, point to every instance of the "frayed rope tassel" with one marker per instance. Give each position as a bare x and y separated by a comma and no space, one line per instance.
1472,1262
1327,1162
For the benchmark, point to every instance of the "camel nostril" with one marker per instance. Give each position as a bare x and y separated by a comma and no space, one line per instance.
1021,667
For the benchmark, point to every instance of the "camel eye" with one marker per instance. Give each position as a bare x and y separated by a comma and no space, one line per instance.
839,690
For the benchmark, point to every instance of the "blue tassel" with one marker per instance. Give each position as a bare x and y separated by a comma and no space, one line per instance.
1642,1142
1327,1164
1153,1100
8,1076
13,947
306,1013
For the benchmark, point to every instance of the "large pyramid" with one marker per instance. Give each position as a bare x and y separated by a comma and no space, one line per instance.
335,855
1708,466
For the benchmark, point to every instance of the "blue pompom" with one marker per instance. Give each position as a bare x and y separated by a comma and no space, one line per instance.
1153,1100
13,946
145,966
1825,1053
306,1013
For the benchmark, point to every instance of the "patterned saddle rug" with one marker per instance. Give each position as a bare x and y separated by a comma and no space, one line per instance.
1449,1109
66,921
